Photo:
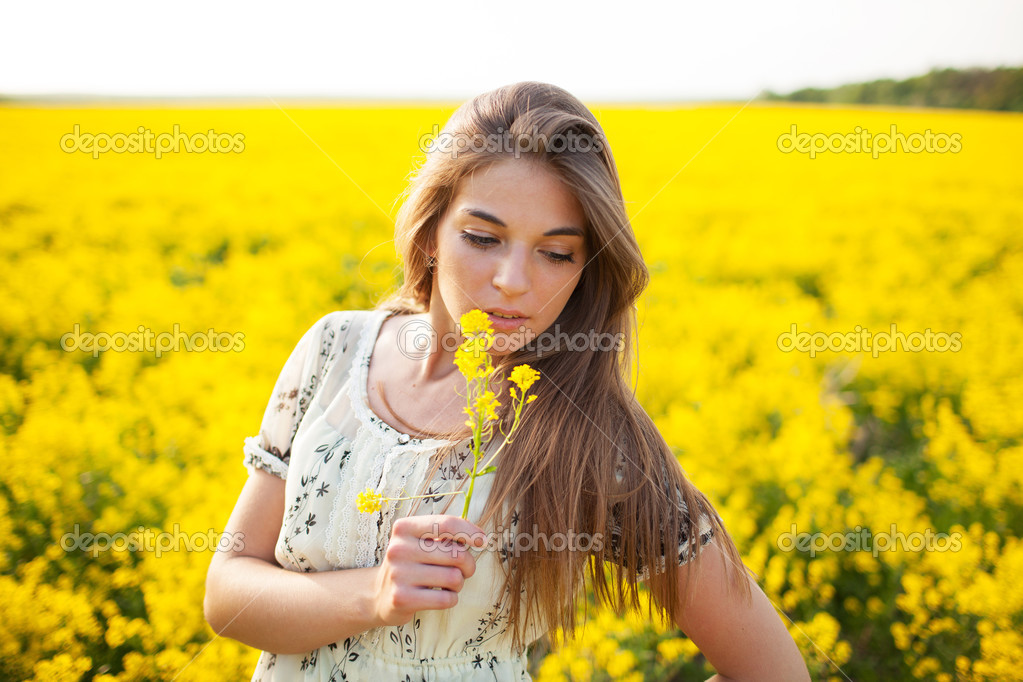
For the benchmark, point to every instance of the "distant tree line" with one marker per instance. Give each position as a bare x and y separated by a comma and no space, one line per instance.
998,89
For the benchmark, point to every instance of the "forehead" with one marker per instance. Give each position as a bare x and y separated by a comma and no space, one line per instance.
521,194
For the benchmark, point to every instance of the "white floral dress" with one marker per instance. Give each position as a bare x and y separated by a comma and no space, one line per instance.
319,434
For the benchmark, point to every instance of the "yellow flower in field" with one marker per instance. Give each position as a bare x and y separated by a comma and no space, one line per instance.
671,649
369,501
476,322
524,376
621,663
580,669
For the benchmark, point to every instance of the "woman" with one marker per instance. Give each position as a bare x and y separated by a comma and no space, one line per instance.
518,212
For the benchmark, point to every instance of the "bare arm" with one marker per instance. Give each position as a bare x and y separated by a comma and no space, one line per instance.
251,598
742,641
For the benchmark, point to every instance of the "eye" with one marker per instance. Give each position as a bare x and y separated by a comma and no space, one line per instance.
559,258
481,242
478,241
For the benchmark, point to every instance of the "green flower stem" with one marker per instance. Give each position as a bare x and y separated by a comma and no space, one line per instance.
515,424
476,387
416,497
476,454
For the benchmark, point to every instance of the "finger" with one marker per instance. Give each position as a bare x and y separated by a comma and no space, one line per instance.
428,598
445,553
444,577
442,525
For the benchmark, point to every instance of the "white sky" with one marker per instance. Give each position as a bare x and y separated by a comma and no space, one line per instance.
620,50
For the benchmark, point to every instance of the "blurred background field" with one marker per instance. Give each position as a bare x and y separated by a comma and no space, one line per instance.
743,241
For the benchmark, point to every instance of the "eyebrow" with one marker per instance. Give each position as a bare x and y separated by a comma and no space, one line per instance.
570,231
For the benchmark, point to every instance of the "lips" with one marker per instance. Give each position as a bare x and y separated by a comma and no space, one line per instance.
508,314
506,320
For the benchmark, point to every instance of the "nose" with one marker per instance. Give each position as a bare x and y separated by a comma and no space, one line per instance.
512,276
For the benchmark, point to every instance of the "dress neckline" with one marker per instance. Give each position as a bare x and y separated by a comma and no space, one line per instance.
367,341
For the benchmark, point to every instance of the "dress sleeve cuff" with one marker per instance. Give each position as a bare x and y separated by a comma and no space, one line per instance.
258,458
685,550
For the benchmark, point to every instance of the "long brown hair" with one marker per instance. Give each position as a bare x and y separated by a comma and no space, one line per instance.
562,471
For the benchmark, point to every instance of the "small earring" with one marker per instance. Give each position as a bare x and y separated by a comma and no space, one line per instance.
431,262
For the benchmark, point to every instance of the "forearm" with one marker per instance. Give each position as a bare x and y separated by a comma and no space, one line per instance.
286,612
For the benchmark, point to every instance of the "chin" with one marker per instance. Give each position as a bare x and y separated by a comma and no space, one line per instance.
502,347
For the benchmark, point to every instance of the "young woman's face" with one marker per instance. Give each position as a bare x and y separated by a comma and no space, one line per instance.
511,243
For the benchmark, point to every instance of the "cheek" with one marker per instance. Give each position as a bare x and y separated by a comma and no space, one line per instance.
467,271
565,285
460,278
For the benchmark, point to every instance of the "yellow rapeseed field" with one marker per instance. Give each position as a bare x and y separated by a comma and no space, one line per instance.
877,495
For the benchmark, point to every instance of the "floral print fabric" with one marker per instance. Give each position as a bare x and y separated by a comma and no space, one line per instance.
319,435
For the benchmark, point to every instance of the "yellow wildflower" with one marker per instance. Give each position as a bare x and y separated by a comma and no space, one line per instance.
471,357
369,501
467,365
486,405
476,322
671,649
524,376
621,663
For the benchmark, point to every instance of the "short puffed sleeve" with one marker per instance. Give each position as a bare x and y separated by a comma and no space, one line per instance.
296,386
684,546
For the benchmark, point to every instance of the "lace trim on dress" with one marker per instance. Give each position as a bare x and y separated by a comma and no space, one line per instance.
258,458
344,502
387,447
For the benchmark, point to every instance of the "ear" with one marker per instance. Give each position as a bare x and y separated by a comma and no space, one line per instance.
431,247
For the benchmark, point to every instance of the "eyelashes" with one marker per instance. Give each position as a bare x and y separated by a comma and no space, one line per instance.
480,242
